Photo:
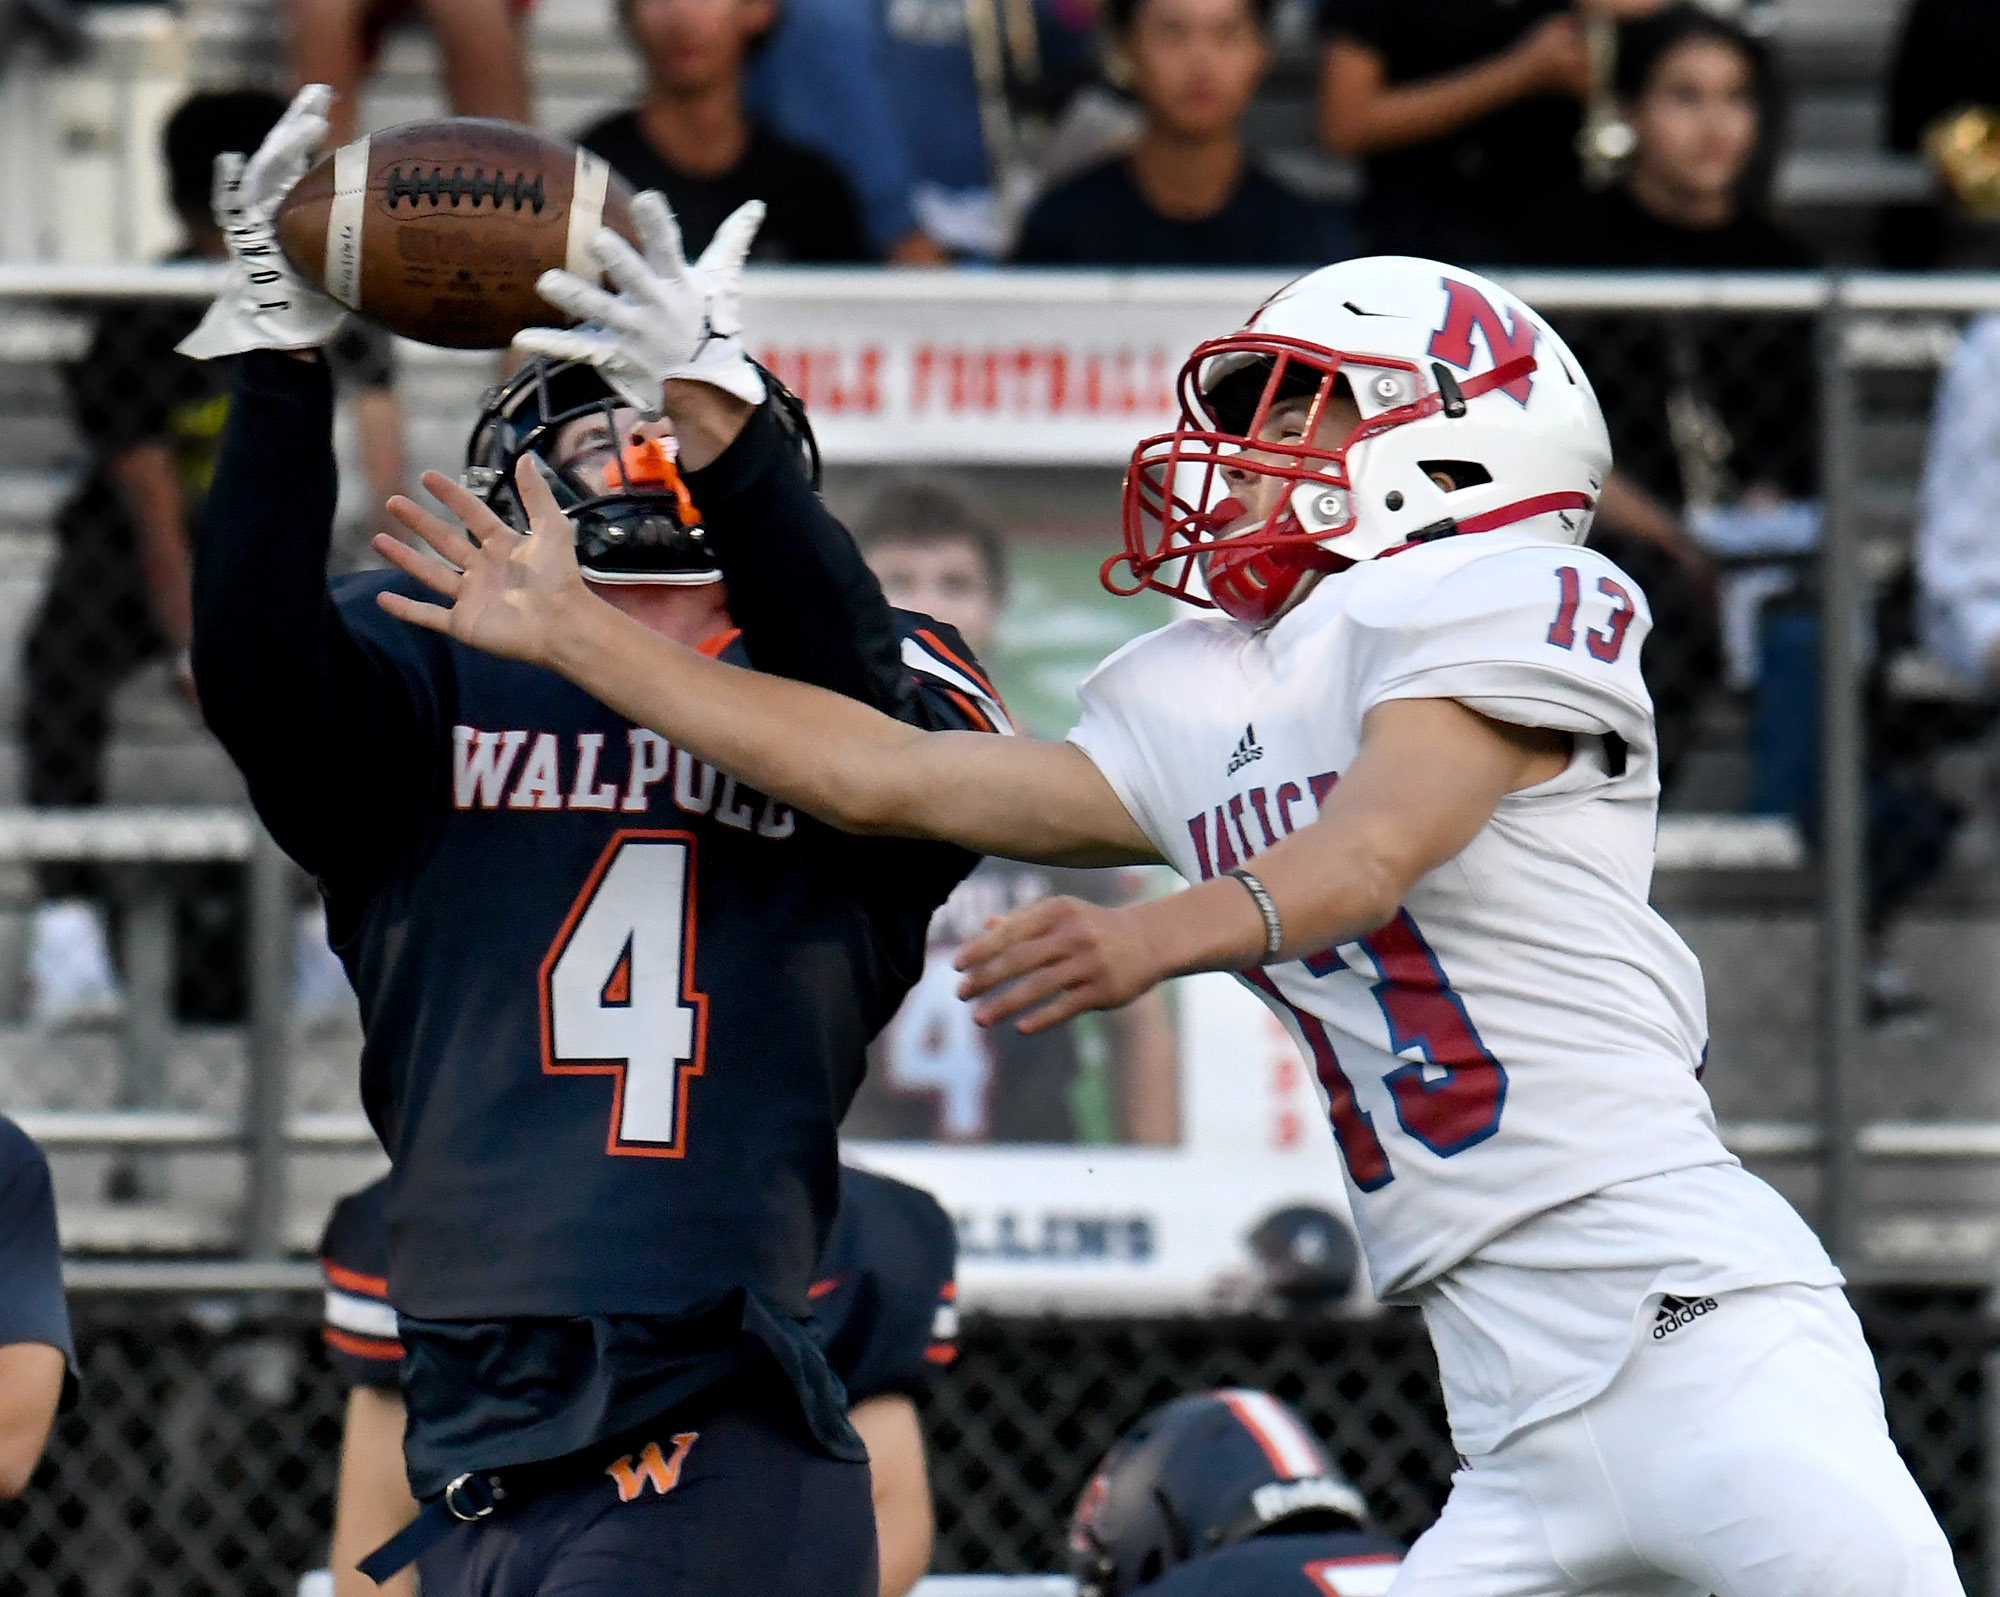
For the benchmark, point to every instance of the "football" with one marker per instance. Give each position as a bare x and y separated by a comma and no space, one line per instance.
438,230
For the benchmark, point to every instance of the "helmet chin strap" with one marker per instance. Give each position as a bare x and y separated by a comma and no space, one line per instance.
618,579
1487,520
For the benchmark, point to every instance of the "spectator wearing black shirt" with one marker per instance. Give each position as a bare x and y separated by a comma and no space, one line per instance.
1464,112
691,138
37,1356
1697,92
118,596
1947,61
1186,195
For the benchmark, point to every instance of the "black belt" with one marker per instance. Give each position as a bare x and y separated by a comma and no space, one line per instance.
480,1494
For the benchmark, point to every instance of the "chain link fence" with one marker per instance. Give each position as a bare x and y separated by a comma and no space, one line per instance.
201,1459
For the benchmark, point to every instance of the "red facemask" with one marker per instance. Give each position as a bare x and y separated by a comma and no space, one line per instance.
1181,514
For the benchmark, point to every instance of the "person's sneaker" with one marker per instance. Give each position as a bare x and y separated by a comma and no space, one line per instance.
71,983
322,999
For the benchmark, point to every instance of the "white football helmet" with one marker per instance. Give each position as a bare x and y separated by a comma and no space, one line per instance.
1451,374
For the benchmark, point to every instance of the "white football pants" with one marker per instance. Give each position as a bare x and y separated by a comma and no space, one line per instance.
1743,1455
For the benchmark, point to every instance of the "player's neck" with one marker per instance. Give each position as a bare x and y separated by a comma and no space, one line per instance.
702,132
1679,207
689,616
1186,176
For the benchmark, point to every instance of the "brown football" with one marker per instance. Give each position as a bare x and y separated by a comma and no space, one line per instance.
438,230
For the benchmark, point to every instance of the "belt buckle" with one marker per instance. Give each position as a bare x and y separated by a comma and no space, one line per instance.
475,1513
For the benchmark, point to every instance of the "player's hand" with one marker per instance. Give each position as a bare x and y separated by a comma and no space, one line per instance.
511,593
264,304
1062,957
667,320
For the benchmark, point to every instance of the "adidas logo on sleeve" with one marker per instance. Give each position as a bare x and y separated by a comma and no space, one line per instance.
1247,749
1674,1313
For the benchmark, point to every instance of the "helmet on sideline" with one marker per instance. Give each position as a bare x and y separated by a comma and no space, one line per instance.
1453,377
1201,1473
1307,1258
641,525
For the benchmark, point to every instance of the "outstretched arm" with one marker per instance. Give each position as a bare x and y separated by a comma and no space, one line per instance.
853,767
1429,775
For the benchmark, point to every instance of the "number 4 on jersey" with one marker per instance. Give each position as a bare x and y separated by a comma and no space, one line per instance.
618,994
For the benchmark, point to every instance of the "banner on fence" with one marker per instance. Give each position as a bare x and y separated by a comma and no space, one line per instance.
1096,1228
1022,369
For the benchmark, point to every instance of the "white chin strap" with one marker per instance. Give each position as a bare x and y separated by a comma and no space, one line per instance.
637,579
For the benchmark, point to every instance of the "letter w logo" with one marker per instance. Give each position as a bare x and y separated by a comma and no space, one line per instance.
661,1473
1466,309
480,762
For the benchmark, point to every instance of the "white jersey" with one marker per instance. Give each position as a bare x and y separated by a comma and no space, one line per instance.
1527,1031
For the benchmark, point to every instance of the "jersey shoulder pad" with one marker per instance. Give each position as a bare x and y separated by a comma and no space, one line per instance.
1523,630
945,665
359,1328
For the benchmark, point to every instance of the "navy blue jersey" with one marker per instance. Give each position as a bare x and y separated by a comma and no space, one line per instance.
32,1305
883,1306
614,1002
1327,1564
359,1327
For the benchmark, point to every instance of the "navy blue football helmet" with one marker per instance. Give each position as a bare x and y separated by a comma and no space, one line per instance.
1308,1259
635,522
1201,1473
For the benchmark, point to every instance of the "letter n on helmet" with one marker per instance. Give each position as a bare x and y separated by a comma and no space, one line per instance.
1366,408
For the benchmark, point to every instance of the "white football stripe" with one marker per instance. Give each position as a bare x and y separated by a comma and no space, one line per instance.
344,222
918,658
1290,1445
586,213
349,1311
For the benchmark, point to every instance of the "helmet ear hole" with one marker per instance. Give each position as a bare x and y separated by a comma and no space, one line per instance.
1456,474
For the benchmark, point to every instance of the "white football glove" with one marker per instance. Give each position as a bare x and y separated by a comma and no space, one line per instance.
667,319
264,303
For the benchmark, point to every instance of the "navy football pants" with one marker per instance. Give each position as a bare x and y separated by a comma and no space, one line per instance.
747,1506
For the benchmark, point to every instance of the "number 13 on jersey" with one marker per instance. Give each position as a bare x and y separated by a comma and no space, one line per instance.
617,990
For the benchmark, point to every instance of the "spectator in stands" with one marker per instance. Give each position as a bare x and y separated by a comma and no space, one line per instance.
1465,114
1958,533
1186,194
479,47
692,139
1714,419
934,1074
910,98
1946,72
37,1356
118,596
